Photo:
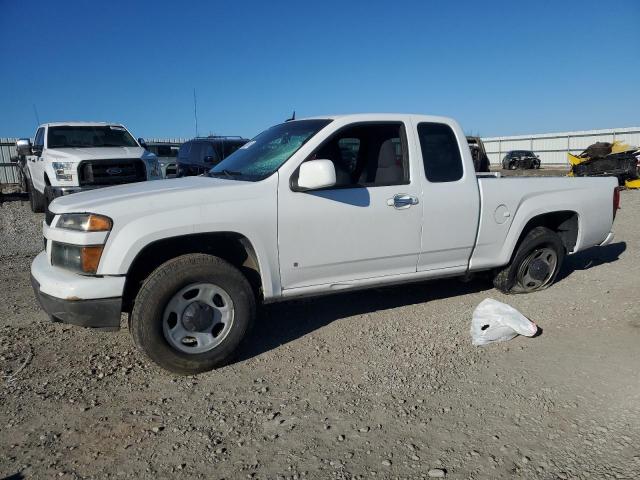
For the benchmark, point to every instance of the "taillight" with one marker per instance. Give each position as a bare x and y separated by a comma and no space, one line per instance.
616,200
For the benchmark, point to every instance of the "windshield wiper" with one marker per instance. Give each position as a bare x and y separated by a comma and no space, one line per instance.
228,173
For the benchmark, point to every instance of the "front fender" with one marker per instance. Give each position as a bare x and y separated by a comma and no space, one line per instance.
254,217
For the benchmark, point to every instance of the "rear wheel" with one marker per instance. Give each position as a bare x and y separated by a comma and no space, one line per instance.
37,200
191,313
535,264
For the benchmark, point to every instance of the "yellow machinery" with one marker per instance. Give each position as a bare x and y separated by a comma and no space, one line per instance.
613,159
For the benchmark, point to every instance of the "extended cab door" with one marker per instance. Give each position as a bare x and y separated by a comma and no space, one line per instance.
451,199
367,225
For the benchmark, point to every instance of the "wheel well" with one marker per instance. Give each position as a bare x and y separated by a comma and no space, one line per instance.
564,223
46,180
230,246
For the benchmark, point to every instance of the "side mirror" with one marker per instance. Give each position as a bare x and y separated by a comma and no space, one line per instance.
143,143
316,174
23,146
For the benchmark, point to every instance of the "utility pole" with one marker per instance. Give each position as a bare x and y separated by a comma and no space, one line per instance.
195,110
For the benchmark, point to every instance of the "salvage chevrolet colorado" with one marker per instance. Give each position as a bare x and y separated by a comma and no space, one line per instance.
74,156
307,207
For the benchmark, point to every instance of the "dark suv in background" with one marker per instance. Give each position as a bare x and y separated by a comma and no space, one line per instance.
199,155
520,159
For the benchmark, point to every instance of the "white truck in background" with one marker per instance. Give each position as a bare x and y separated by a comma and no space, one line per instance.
69,157
308,207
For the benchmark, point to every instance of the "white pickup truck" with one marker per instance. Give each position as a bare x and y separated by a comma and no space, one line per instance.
307,207
73,156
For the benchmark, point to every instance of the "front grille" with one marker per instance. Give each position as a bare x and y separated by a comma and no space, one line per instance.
111,172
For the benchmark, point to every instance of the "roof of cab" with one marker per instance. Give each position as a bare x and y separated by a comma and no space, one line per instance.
364,117
81,124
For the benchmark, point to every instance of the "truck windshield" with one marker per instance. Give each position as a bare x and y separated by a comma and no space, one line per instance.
263,155
89,137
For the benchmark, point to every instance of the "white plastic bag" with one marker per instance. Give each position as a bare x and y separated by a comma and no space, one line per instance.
494,321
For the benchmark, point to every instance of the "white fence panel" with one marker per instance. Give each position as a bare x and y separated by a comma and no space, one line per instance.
552,148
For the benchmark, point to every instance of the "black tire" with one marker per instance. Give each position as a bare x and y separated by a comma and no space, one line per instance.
512,165
37,200
48,194
540,239
24,182
146,319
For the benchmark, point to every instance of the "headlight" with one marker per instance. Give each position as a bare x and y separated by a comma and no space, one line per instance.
64,170
77,258
85,222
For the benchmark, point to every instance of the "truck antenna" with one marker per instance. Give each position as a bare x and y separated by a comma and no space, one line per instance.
293,117
195,110
35,111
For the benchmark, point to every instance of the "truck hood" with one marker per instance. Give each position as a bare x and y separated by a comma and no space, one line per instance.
152,196
97,153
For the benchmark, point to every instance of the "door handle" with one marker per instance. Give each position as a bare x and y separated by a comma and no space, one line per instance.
402,200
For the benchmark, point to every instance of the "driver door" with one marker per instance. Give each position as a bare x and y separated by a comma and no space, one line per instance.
366,226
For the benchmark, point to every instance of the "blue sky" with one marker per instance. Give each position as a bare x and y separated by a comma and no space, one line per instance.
498,67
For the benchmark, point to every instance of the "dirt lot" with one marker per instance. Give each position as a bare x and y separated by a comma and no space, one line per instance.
382,383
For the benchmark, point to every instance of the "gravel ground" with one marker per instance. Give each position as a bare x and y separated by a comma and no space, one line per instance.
381,383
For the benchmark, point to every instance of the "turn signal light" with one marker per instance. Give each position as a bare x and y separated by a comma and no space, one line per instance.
98,223
90,258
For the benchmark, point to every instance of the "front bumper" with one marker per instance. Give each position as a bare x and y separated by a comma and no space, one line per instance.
85,301
101,313
168,169
607,240
55,192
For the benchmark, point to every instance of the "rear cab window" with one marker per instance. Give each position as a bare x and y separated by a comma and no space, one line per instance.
440,152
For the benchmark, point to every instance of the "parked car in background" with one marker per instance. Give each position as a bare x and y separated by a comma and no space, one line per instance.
199,155
69,157
524,159
308,207
167,154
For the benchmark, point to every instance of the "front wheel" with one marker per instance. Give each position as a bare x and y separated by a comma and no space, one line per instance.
535,264
192,313
37,200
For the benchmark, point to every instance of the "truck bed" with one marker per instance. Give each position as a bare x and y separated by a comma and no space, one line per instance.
508,203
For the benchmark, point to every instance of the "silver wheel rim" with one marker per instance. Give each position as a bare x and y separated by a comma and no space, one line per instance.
198,318
537,269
